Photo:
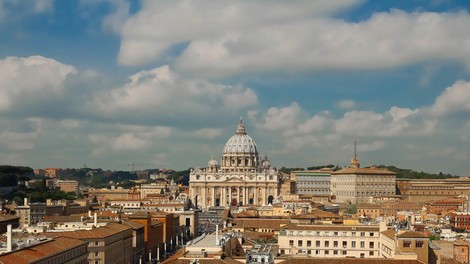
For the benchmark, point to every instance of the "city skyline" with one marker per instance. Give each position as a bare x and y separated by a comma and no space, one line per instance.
163,83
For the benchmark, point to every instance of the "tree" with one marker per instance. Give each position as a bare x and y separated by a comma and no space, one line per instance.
351,209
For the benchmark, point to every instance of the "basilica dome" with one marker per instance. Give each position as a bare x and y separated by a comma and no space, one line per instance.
212,162
241,142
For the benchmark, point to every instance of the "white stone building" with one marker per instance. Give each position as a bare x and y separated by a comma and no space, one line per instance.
241,178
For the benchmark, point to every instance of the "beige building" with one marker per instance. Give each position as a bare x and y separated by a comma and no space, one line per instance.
357,185
67,185
107,244
330,241
407,245
242,177
424,190
58,250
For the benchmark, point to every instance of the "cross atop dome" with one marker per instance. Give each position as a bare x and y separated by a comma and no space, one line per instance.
241,127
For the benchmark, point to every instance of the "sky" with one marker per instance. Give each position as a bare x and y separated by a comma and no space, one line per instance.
119,84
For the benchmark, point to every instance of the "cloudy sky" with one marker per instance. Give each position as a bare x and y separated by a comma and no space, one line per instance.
162,84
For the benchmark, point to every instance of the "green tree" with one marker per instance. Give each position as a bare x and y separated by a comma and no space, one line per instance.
351,209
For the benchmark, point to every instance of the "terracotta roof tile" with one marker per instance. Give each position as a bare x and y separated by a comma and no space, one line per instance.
100,232
390,233
411,234
347,261
40,251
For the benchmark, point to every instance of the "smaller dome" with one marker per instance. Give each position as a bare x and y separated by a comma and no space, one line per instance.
212,162
265,164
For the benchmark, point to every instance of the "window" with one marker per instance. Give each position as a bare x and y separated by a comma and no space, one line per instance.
327,252
291,242
353,244
344,252
362,255
317,252
335,243
327,243
335,233
335,252
309,243
345,244
300,243
406,244
363,234
363,244
371,244
419,244
371,253
371,234
353,234
317,243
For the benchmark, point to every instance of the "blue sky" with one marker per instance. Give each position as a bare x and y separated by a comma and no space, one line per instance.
163,83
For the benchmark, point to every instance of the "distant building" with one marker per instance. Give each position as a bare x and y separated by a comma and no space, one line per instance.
330,241
56,250
108,244
357,185
315,182
461,250
424,190
53,172
7,219
242,177
460,220
66,185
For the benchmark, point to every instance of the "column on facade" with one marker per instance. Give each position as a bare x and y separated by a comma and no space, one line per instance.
203,198
213,196
263,191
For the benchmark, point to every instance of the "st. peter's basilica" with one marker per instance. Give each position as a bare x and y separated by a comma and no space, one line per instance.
241,178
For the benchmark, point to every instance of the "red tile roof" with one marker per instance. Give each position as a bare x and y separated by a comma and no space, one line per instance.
40,251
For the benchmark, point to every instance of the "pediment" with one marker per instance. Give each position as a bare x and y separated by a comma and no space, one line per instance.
234,179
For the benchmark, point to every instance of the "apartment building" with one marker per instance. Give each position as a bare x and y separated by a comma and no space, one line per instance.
331,241
56,250
67,185
314,182
110,244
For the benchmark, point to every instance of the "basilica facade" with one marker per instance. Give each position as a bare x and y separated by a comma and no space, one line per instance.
241,178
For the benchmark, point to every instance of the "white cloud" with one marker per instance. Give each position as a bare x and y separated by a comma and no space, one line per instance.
238,37
208,133
160,94
22,139
70,123
280,118
158,25
31,79
41,6
346,104
20,8
455,99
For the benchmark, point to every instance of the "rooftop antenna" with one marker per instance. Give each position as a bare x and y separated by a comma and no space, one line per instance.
355,153
355,162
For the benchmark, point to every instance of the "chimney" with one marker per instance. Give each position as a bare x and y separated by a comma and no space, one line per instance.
26,202
9,242
95,220
89,213
216,235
